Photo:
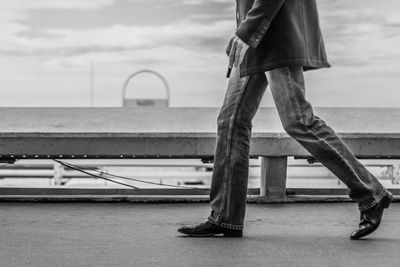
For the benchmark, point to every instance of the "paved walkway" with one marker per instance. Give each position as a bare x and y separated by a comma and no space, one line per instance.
145,235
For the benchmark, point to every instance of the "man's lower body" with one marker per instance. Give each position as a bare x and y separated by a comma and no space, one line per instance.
231,163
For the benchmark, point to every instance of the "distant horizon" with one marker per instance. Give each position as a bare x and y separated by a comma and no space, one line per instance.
47,56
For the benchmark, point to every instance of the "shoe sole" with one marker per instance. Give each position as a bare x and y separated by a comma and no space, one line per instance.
239,234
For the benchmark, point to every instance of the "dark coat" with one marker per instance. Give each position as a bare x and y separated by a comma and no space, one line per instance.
281,33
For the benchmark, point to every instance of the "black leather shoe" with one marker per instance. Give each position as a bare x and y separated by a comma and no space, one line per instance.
370,219
207,229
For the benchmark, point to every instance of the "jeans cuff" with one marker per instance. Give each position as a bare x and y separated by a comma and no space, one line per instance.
225,225
377,198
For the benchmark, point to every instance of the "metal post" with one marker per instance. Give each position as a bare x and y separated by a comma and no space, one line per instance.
273,177
91,84
396,175
58,173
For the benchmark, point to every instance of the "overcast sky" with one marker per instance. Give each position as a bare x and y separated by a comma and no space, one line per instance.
47,46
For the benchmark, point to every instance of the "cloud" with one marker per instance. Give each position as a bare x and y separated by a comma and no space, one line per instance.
187,2
393,21
183,33
59,4
13,11
184,46
358,36
198,2
188,41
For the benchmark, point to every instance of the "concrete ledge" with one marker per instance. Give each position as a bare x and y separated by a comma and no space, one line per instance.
105,199
169,199
68,133
83,195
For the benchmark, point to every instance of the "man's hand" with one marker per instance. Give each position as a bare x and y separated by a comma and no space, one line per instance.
236,50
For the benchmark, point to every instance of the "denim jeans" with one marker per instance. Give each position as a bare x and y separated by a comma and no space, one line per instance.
228,193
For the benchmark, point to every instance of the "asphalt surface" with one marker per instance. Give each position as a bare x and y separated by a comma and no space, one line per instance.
145,235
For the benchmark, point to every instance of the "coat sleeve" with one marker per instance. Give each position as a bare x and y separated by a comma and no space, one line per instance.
257,21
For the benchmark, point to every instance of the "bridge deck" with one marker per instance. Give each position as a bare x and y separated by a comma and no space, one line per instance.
177,132
145,235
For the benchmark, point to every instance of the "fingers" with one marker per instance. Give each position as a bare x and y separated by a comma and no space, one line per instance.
232,54
229,46
243,51
230,51
238,54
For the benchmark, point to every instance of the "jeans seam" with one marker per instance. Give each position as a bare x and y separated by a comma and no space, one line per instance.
226,225
228,149
319,138
375,201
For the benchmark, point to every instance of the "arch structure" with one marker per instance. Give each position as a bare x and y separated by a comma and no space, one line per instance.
164,81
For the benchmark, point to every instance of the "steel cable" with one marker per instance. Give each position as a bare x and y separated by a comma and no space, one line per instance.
80,169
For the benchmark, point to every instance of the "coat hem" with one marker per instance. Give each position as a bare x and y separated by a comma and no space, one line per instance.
308,64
